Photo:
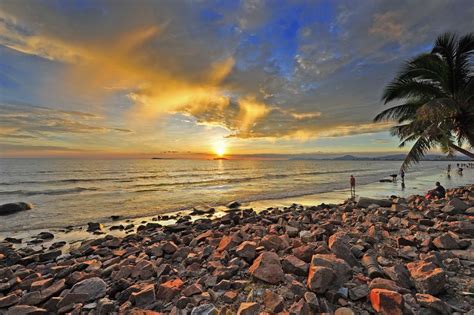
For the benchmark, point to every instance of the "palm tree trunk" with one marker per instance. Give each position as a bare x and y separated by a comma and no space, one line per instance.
463,151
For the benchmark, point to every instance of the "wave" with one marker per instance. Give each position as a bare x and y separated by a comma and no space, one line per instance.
48,191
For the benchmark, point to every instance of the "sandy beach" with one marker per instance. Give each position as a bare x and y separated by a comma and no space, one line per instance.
402,255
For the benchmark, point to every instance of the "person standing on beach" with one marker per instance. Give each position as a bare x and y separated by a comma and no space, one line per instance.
449,169
352,181
402,175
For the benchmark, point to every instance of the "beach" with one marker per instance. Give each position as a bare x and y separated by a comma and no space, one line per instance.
399,255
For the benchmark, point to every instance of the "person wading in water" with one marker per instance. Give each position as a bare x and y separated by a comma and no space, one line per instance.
352,180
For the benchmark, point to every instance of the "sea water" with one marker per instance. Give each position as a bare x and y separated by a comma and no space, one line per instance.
73,191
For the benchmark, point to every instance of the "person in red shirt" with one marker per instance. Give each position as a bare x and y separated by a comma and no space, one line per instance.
353,186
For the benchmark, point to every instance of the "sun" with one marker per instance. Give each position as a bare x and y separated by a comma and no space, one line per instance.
220,150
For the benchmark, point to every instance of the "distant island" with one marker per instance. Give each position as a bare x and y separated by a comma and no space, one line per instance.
220,158
393,157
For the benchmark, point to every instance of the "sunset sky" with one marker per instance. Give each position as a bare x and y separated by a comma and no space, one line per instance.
185,78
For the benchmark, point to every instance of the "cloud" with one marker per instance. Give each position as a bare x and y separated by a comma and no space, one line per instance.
254,69
387,25
25,122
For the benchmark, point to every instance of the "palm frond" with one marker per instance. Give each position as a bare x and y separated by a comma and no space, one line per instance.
417,152
401,89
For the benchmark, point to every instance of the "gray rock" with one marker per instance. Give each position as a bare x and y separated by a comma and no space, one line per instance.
94,287
10,208
364,202
455,206
204,309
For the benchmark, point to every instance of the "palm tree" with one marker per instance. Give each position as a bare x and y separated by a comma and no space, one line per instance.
436,91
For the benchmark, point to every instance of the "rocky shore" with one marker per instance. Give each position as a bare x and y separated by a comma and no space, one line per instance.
398,256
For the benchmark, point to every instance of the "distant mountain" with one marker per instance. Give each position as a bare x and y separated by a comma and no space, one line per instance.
400,157
346,158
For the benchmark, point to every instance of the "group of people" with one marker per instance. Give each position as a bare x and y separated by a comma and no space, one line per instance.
460,167
438,192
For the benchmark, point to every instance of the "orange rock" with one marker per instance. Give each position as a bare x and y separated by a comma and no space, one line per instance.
168,290
386,302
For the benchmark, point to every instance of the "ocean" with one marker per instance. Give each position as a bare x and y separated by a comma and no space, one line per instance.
73,192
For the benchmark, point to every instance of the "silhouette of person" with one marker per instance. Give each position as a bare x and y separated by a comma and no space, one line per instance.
352,181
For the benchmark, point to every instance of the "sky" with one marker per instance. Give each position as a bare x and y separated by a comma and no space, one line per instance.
194,78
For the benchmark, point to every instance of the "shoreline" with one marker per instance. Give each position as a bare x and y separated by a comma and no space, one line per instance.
182,263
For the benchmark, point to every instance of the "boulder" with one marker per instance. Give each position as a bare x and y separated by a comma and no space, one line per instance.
428,277
233,205
267,268
10,208
339,245
94,288
292,264
445,241
272,242
386,302
204,309
364,202
432,303
169,289
145,296
339,266
320,279
273,302
247,250
455,206
248,308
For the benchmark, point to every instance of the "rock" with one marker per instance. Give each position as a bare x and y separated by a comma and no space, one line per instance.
272,242
455,206
312,301
169,247
204,309
386,302
344,311
339,266
339,245
248,308
9,300
400,275
233,205
433,303
428,277
273,302
381,283
94,287
169,289
105,306
26,310
229,297
300,308
304,252
10,208
359,292
145,296
51,255
45,235
72,298
247,250
364,202
291,264
94,226
445,241
193,289
267,268
320,279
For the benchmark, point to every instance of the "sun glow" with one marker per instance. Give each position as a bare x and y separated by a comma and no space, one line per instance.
220,149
